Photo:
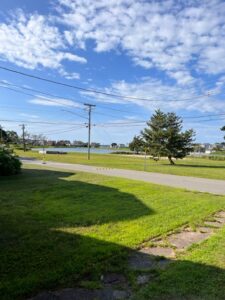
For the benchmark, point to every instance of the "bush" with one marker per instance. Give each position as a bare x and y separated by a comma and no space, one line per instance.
217,157
9,163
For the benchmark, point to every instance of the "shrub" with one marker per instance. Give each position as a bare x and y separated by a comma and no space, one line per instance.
217,157
9,163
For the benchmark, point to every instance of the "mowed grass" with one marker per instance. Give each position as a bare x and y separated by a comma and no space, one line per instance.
197,167
60,229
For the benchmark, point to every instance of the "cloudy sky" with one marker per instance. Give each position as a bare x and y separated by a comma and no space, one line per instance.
161,54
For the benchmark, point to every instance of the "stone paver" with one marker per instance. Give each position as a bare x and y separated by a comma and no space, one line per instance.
213,224
185,239
220,220
83,294
220,214
143,279
159,251
205,229
114,280
191,183
142,261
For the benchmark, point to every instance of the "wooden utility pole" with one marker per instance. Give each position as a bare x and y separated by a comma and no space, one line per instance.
23,136
89,106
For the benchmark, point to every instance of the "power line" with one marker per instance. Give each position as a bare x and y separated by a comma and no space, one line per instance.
206,116
71,112
62,131
55,96
62,97
91,90
39,92
40,98
40,122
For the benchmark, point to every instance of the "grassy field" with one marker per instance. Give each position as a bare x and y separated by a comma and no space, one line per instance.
197,167
60,229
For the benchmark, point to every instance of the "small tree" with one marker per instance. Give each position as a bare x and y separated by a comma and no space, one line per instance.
163,136
114,145
136,144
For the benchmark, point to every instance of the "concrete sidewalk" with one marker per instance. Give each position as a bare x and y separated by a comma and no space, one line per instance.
190,183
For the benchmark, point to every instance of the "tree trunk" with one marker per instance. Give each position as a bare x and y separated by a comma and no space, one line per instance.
170,160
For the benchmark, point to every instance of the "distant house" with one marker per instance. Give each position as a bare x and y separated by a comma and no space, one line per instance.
122,146
50,143
95,145
204,148
79,144
63,143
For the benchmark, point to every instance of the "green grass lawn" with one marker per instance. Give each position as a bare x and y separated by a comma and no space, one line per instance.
60,229
197,167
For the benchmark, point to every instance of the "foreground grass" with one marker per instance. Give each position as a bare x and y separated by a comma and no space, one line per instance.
59,229
197,167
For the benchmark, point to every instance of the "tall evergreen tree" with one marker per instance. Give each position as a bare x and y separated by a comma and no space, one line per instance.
164,136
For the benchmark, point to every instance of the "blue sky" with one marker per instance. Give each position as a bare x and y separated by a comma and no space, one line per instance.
169,52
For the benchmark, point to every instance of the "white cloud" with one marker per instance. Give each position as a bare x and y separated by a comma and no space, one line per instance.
174,36
29,115
31,41
162,96
40,100
69,75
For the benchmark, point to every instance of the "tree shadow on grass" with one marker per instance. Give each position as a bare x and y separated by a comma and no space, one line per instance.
35,206
64,260
185,280
39,253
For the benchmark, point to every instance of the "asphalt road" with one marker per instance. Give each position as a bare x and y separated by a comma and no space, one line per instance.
190,183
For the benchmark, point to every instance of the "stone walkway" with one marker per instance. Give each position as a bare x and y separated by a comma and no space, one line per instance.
163,251
190,183
155,257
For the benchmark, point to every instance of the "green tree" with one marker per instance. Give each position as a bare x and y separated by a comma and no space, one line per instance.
12,137
3,135
164,136
223,129
136,144
8,136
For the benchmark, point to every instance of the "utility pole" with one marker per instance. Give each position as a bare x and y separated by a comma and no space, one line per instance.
89,106
23,136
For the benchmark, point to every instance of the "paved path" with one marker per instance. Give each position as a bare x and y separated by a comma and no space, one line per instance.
191,183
